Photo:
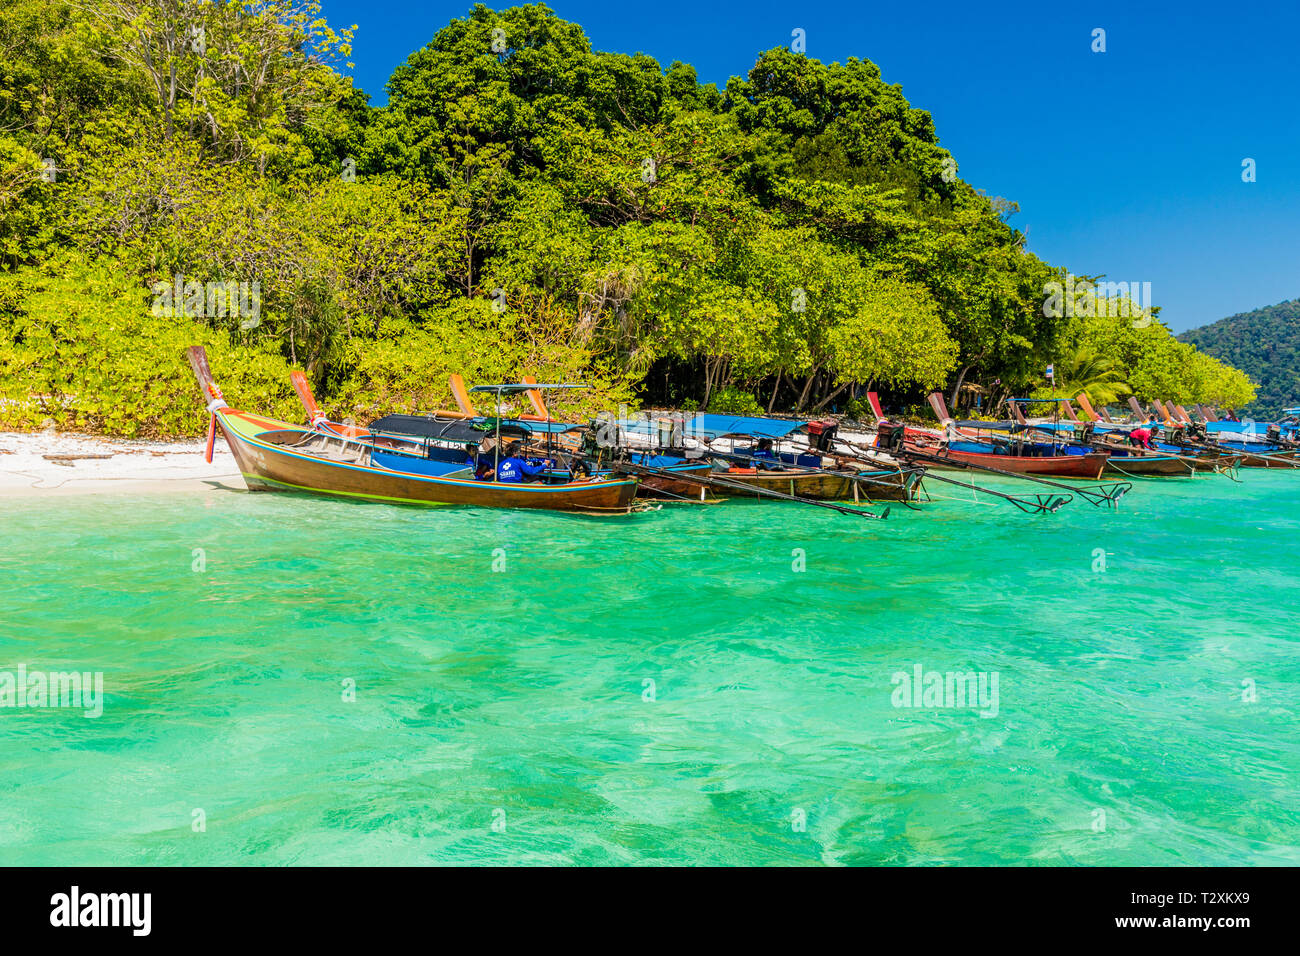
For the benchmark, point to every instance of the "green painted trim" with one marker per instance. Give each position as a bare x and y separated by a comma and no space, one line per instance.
349,494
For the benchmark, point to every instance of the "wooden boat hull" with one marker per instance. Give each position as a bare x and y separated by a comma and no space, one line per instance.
1206,459
1222,456
889,485
1279,459
1088,466
663,486
821,485
265,453
1150,466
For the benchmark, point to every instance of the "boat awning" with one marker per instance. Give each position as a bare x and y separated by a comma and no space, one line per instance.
716,426
465,429
1238,428
999,426
708,427
443,429
1016,427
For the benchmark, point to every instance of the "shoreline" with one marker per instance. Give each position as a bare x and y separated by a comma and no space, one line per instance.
36,464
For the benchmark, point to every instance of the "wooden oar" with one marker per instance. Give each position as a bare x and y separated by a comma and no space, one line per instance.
634,469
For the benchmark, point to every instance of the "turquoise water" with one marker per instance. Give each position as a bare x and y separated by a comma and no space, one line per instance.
508,716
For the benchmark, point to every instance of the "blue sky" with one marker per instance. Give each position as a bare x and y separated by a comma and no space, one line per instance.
1126,163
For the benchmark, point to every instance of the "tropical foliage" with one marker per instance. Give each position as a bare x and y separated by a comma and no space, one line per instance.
522,204
1266,344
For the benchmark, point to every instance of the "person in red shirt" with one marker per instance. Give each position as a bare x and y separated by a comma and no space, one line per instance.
1142,436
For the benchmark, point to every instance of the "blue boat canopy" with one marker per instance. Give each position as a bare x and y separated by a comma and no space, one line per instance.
717,426
533,427
1016,426
1237,428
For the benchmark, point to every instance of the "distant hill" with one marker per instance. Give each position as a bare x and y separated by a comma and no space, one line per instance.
1265,344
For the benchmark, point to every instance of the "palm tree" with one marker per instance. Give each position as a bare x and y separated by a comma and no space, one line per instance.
1087,370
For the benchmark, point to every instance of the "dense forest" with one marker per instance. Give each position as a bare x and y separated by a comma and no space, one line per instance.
1265,344
174,171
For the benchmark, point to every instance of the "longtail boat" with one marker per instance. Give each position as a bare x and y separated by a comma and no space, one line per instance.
808,468
891,440
889,445
1253,455
1237,443
1177,432
1014,446
413,435
273,455
1023,457
674,477
1158,459
1124,457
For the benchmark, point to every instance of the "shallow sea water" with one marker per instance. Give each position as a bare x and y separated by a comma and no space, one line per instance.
695,685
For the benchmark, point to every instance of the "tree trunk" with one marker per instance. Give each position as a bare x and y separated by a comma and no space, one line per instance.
807,387
771,403
827,400
957,389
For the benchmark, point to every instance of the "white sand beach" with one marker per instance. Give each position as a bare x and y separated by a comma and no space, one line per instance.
42,463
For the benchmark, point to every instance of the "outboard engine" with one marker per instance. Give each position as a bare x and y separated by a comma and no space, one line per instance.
889,437
1085,433
1196,431
1274,434
821,435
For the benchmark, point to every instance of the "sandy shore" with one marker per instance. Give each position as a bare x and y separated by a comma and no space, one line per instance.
49,463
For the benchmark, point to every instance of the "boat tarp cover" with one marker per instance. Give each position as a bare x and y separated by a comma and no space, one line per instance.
664,461
1239,428
554,428
716,426
1017,427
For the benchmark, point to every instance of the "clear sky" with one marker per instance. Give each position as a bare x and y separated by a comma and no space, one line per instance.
1126,163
